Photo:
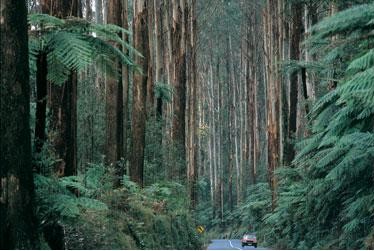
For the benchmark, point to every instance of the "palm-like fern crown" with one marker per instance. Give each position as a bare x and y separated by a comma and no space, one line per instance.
72,44
331,191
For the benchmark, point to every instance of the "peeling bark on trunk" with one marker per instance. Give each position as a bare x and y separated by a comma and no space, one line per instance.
114,104
272,57
179,83
139,92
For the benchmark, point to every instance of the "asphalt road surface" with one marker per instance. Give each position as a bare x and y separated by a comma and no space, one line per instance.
224,244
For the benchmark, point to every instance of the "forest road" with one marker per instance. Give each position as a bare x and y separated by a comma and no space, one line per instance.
224,244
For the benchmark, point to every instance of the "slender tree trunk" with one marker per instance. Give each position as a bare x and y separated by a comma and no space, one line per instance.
179,82
63,101
216,86
296,25
41,103
250,80
308,80
273,56
126,82
310,18
232,122
246,116
213,185
254,97
88,10
99,11
139,91
17,221
151,60
234,119
192,172
114,103
166,108
159,43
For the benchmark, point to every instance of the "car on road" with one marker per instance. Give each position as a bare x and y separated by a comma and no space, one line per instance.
249,240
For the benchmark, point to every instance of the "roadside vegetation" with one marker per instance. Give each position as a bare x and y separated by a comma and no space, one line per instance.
164,124
325,198
84,212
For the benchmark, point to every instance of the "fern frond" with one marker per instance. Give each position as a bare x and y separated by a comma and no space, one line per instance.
73,44
346,21
163,91
362,63
44,21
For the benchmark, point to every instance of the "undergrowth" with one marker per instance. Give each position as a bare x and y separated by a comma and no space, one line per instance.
85,212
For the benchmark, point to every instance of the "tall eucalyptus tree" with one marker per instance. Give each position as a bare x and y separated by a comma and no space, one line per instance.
17,221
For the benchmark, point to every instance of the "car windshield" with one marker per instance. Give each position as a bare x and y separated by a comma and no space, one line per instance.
249,236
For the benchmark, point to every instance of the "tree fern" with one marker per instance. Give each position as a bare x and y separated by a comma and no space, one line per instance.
362,63
329,196
72,44
357,18
68,198
163,91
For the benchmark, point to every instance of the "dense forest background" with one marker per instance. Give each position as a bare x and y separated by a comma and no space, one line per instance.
126,124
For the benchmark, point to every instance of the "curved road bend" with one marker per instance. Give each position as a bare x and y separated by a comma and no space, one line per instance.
224,244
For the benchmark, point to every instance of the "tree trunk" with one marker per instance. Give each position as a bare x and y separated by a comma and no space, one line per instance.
210,152
308,79
179,84
250,80
88,10
114,103
41,104
272,57
126,82
151,60
296,25
17,222
139,91
99,11
63,125
192,172
160,48
232,124
63,101
62,8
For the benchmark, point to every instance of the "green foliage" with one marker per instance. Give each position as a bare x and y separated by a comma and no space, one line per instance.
161,155
352,31
154,169
93,215
247,217
327,201
57,197
163,91
350,21
72,44
130,186
172,194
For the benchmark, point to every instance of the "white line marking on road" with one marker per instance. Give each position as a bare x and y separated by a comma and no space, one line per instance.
234,246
